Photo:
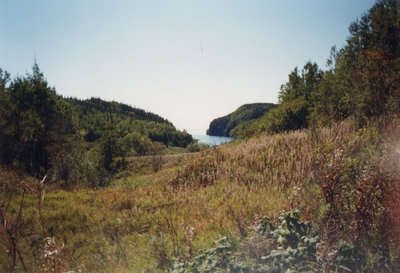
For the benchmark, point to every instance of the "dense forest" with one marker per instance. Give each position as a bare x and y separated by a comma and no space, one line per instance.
312,185
224,126
362,81
74,140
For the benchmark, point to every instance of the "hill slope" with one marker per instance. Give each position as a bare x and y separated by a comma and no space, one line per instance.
224,125
96,117
143,222
97,104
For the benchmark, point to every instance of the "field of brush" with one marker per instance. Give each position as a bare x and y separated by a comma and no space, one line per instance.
145,219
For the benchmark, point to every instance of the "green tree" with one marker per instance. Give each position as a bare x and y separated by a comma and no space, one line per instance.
5,152
110,148
139,143
330,100
297,98
368,66
33,119
301,86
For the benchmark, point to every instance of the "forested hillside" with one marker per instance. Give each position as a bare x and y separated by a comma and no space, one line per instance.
96,117
78,141
224,126
362,82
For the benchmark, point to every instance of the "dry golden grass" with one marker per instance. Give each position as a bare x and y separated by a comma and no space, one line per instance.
147,219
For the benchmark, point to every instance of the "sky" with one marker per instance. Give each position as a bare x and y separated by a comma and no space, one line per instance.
189,61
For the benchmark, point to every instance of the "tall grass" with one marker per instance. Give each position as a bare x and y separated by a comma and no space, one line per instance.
222,191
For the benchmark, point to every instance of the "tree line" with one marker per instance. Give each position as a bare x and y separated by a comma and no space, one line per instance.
362,81
77,141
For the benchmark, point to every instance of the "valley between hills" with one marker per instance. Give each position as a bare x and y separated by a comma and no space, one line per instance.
310,184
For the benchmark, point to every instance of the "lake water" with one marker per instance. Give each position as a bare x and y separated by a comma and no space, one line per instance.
211,140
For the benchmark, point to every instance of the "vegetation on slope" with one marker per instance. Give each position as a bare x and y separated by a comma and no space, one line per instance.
362,82
144,222
224,126
76,141
96,117
323,199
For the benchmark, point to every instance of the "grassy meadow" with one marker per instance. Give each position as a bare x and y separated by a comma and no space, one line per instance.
312,185
146,219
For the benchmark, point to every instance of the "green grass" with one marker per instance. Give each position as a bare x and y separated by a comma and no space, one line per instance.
142,220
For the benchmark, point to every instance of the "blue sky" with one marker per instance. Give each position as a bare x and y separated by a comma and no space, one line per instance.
189,61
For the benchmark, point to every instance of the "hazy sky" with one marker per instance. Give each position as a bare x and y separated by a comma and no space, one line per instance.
189,61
